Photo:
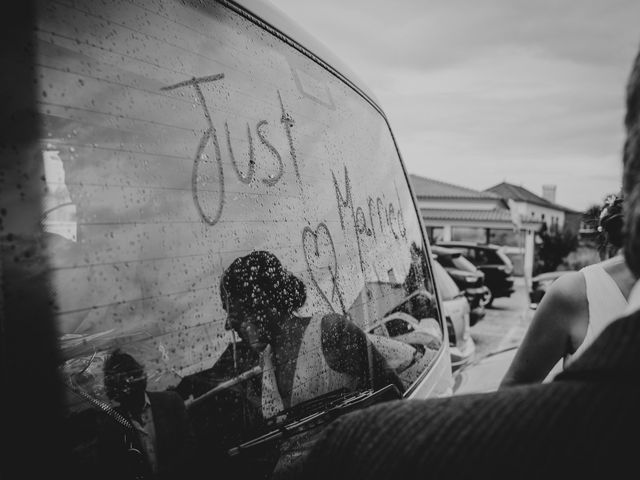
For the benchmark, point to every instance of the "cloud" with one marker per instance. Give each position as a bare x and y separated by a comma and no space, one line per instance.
417,34
497,89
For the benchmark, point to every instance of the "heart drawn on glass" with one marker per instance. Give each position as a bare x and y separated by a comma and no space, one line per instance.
322,263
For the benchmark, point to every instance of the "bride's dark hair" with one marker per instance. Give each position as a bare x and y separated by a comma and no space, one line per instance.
260,281
610,222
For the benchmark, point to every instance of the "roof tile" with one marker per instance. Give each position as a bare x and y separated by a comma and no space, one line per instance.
517,193
496,215
430,188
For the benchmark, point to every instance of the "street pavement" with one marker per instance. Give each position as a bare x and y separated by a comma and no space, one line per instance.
497,337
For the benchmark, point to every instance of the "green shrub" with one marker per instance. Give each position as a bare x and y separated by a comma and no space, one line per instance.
553,248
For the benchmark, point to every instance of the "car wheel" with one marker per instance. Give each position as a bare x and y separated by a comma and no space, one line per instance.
488,298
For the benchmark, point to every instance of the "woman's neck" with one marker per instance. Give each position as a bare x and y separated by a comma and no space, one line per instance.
617,268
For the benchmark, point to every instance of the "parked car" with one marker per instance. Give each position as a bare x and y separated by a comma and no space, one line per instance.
541,283
492,261
468,278
153,144
457,311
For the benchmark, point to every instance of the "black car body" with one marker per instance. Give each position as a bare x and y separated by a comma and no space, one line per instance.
492,261
467,277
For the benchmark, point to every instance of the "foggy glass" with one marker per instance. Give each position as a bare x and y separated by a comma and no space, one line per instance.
178,137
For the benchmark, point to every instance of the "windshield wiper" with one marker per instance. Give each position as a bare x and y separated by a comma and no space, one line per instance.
331,411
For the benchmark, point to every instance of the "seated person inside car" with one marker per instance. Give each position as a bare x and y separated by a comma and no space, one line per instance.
261,298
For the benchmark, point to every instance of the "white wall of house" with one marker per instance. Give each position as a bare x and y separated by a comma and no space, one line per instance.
446,233
537,213
529,222
529,250
525,248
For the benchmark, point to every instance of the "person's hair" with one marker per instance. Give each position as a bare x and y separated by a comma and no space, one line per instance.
259,281
119,364
631,177
610,222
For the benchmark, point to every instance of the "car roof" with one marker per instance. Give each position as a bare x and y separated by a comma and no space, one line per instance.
488,246
302,40
439,250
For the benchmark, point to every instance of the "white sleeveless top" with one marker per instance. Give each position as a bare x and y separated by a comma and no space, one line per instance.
312,377
606,303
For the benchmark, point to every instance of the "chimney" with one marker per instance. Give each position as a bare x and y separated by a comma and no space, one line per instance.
549,193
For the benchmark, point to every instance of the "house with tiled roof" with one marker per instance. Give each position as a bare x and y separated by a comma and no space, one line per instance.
505,214
449,211
453,212
538,208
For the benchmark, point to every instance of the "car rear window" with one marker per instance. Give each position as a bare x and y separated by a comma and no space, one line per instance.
179,138
504,258
457,261
486,256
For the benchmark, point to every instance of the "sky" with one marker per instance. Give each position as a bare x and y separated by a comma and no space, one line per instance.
530,92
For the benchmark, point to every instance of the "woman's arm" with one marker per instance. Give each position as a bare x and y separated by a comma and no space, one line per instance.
557,328
346,349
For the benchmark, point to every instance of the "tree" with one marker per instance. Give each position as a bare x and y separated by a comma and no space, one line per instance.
553,247
598,238
591,215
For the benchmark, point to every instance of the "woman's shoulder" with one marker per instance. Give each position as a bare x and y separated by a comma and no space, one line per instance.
336,321
338,329
567,293
564,308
